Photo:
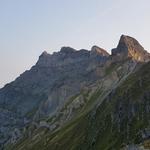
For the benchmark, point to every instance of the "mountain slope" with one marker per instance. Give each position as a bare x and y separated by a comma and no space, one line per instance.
122,118
64,91
40,91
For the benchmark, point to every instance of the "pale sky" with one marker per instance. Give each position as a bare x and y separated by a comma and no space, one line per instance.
28,27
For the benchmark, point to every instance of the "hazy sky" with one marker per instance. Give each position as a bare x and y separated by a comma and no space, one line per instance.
28,27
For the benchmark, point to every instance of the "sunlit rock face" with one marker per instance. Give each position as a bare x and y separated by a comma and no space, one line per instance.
129,47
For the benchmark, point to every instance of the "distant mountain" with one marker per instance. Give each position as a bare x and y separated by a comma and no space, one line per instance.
79,100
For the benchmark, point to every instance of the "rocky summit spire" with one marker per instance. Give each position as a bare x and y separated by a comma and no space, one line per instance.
129,47
95,50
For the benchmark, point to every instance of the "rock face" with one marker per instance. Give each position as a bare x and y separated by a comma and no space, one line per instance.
129,47
95,50
43,89
53,75
48,87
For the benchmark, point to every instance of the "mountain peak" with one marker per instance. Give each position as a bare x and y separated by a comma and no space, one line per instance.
129,42
67,49
44,54
129,47
99,51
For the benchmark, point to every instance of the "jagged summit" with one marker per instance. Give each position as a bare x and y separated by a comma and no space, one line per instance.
129,43
99,51
129,47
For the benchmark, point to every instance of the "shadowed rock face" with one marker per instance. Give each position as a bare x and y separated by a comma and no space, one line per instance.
129,47
67,70
42,90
